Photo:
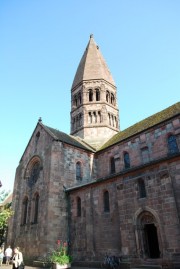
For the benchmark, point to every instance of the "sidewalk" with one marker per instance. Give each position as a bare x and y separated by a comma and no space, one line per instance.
4,266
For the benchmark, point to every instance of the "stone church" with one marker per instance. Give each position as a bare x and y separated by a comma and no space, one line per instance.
101,189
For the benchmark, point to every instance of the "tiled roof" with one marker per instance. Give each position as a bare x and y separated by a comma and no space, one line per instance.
69,139
92,65
143,125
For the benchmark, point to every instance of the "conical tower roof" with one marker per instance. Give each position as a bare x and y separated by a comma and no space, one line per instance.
92,65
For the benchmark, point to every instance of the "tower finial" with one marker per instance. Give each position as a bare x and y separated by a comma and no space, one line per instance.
40,119
91,35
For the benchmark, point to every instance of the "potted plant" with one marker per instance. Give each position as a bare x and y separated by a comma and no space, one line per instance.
60,257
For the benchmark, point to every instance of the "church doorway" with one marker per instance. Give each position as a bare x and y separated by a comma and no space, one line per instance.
147,236
151,241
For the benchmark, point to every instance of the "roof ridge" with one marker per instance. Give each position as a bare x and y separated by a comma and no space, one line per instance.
144,124
67,138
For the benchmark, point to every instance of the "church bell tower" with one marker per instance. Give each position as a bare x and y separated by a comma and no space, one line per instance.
94,109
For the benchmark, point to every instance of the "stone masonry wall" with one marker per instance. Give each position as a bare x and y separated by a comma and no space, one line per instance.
96,232
30,234
58,172
121,231
155,140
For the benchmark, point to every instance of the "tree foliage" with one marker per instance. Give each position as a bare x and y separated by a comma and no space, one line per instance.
5,213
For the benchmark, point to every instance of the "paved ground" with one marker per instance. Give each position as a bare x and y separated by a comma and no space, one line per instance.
73,267
4,266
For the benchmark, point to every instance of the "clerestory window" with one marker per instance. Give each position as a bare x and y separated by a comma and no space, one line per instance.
78,171
112,165
126,160
172,144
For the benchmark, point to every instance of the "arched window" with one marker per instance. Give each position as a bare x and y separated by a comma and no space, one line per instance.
74,124
24,211
34,173
142,188
80,119
106,201
78,207
107,96
90,117
112,120
78,171
115,120
36,208
97,95
112,164
94,117
112,98
126,160
90,95
75,101
109,116
99,117
172,144
77,122
79,98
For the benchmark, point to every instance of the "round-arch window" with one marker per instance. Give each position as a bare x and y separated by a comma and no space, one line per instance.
34,174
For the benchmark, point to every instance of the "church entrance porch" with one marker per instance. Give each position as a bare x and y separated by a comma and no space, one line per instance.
147,236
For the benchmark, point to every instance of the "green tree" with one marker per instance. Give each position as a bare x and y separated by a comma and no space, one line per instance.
5,214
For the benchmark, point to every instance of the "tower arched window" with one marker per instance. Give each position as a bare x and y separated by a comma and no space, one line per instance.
97,95
90,95
78,207
172,144
99,117
107,96
90,117
74,124
75,101
112,98
24,211
109,116
112,165
94,117
106,201
79,98
80,119
126,160
112,120
77,122
116,123
78,171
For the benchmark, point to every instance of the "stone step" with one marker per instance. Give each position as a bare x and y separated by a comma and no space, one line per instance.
147,267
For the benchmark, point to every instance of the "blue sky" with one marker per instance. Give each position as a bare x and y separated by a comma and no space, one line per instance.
42,42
